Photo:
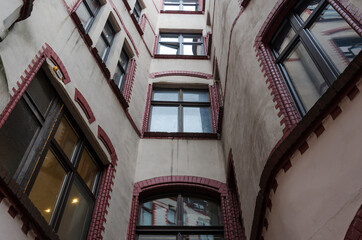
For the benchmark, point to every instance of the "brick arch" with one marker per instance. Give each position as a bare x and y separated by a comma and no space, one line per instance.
354,231
199,184
181,73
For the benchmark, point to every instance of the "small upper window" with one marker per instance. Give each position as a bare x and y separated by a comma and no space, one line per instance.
180,110
181,5
181,44
121,71
87,11
105,41
312,47
137,11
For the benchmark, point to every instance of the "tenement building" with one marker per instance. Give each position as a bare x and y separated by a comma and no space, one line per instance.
180,119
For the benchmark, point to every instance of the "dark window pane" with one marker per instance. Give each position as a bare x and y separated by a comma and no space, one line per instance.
286,34
41,91
108,32
200,212
164,119
305,76
77,213
195,96
203,237
124,59
156,237
119,77
66,137
306,8
47,185
87,169
336,36
102,47
157,212
165,95
15,136
197,119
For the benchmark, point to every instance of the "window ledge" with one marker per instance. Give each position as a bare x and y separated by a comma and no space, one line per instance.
134,20
183,12
181,135
162,56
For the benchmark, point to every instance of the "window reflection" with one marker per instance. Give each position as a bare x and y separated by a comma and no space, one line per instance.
66,137
200,212
159,212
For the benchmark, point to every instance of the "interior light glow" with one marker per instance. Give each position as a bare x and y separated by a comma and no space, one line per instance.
75,200
47,210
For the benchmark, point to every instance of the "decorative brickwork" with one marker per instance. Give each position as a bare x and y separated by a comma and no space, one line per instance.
355,229
146,117
79,98
128,84
190,183
216,107
108,144
181,73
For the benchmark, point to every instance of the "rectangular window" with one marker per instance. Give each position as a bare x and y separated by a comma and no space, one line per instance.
312,48
180,110
137,11
181,44
87,11
46,153
181,5
105,41
121,71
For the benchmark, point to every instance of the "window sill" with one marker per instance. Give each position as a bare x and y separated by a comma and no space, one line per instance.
182,12
162,56
181,135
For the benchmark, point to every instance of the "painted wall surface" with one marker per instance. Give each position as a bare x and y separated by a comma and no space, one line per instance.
162,157
318,197
251,124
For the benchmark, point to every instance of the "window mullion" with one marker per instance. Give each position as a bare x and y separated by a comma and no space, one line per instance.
179,211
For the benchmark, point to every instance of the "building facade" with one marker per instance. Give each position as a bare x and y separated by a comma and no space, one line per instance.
180,119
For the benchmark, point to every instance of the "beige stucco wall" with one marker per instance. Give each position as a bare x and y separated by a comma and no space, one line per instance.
318,197
162,157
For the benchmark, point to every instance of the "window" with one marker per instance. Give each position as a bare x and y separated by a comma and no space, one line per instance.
47,154
121,71
105,41
181,5
87,11
179,217
312,47
180,110
137,11
181,44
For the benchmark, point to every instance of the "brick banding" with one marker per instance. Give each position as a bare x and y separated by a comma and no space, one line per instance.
181,73
79,98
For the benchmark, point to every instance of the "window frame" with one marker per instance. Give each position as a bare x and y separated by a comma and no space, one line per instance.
137,13
122,69
179,229
92,14
105,54
180,104
180,43
180,5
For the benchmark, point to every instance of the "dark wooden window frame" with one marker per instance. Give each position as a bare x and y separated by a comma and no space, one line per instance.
181,43
181,4
180,104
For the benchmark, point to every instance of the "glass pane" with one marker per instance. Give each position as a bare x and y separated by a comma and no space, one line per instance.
338,39
84,15
195,96
159,212
192,39
87,169
156,237
193,49
119,77
41,91
76,216
66,137
306,8
164,119
165,95
168,7
93,5
284,36
15,136
47,185
123,60
169,38
197,119
203,237
108,32
101,48
305,76
200,212
168,49
190,7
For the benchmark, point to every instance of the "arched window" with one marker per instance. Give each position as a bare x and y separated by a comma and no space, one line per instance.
179,216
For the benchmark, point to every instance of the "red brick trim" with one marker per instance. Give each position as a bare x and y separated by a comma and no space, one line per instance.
207,43
205,186
192,57
26,10
181,73
126,4
108,144
354,231
128,84
182,12
180,135
155,46
154,4
145,19
136,24
216,107
27,77
79,98
146,117
244,3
